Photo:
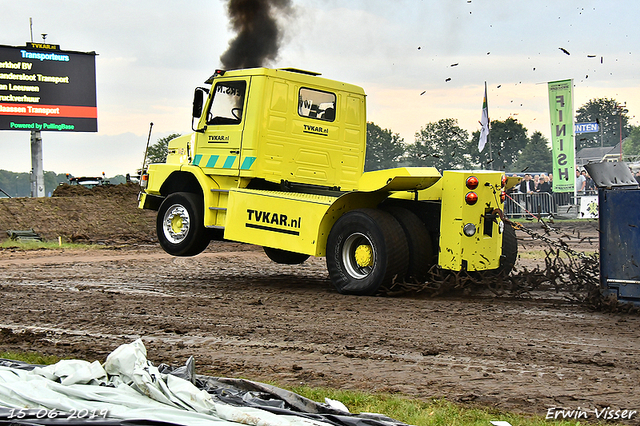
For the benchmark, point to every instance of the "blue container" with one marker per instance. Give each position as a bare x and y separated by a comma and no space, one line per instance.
619,219
620,243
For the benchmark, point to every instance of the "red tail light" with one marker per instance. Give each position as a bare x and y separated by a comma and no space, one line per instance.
472,182
504,181
471,198
503,196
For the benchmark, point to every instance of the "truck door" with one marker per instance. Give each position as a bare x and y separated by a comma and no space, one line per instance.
217,149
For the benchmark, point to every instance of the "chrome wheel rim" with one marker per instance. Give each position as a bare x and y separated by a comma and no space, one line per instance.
176,224
358,255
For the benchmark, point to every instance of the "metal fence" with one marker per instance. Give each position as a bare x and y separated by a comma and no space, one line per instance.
539,203
544,204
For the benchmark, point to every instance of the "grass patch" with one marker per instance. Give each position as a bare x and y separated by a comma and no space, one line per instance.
438,412
44,245
30,357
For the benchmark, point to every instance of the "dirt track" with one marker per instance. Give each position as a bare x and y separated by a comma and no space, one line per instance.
241,315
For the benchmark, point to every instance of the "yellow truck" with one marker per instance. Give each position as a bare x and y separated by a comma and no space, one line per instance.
276,159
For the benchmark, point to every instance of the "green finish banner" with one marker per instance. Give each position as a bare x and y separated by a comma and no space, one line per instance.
562,142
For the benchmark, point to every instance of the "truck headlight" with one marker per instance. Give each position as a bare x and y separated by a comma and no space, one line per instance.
469,229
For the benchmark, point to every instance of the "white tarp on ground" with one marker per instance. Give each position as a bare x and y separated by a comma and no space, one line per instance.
127,386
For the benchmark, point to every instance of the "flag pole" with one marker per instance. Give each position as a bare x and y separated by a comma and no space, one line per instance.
484,126
489,126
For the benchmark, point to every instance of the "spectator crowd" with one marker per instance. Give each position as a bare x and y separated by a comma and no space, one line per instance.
539,183
544,183
529,197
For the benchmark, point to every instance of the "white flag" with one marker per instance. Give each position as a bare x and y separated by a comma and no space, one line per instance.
484,121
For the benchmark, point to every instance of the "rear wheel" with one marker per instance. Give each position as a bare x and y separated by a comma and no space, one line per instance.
180,225
366,249
285,257
419,242
509,250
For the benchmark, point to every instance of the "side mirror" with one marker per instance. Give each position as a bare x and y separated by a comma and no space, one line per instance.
198,101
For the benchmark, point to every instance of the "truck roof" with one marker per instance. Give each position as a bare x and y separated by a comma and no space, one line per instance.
302,76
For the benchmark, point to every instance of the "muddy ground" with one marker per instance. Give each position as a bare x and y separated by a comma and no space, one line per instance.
240,315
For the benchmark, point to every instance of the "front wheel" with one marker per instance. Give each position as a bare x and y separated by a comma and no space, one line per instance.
180,225
366,249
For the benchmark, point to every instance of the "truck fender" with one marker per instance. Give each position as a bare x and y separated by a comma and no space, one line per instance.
373,188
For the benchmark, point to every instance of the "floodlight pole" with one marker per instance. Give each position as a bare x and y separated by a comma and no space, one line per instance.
37,172
37,169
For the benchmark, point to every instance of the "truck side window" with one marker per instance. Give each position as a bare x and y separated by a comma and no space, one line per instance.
227,103
317,104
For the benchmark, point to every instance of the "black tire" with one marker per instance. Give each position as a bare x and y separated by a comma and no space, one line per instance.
509,250
420,246
180,225
366,249
285,257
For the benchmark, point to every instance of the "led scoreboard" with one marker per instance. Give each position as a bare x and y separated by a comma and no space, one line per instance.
48,89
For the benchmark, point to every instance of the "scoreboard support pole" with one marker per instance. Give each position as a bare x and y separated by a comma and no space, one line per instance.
37,172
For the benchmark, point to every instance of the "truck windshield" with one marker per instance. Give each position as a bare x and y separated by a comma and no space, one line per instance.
227,103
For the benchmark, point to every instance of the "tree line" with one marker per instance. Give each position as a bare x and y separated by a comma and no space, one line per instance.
15,184
441,144
19,184
446,146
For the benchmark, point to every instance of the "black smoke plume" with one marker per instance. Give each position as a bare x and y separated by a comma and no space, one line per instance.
258,36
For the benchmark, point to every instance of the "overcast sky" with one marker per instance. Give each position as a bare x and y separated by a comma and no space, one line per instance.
402,52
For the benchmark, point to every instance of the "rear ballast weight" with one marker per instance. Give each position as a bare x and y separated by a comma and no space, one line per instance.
277,158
